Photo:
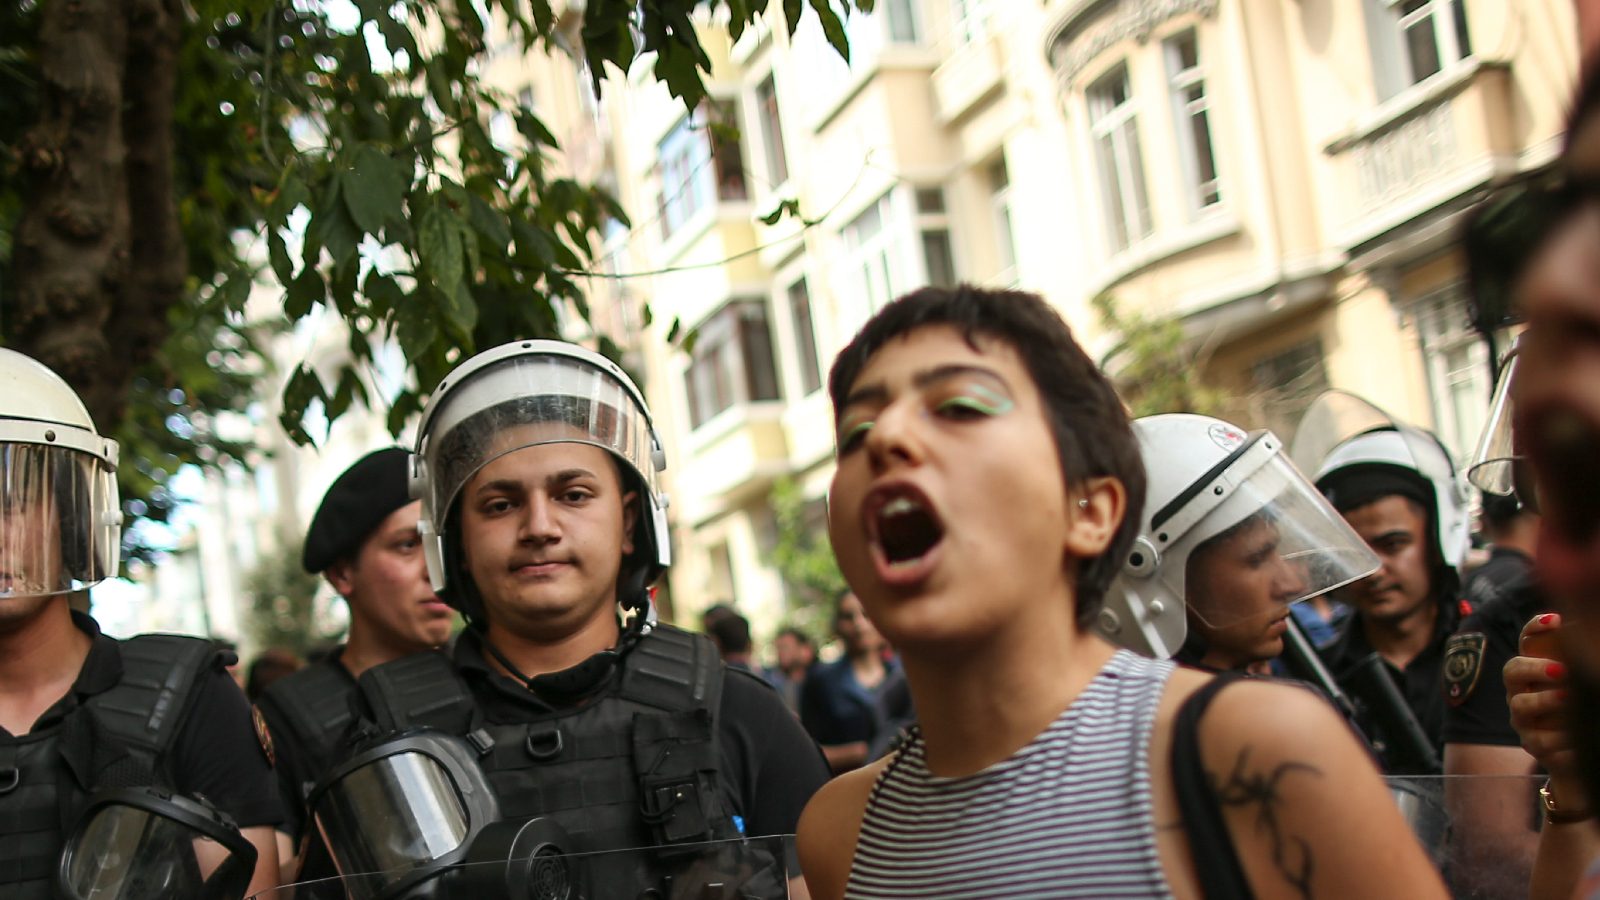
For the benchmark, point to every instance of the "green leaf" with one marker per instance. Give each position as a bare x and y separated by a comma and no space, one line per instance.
414,327
383,294
460,311
533,129
791,13
789,207
373,188
404,407
278,255
439,246
489,222
832,27
305,291
348,390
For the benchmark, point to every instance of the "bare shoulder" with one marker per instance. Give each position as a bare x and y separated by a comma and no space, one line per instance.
828,829
1308,812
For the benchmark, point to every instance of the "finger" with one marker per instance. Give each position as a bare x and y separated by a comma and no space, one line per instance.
1538,635
1528,674
1534,706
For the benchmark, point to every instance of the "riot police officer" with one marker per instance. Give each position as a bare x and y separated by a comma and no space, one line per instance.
1398,488
364,540
1230,536
542,519
83,716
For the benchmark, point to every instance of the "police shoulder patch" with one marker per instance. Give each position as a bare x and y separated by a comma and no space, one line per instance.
264,736
1463,663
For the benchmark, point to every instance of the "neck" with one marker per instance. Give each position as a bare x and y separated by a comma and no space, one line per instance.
39,660
540,655
1522,537
1040,664
366,648
1399,641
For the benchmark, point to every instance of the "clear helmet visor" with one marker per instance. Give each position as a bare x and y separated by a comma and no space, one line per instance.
128,853
1494,462
391,818
1270,542
60,528
1341,431
524,401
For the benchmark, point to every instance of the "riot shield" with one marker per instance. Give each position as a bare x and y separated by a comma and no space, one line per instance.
515,865
1481,830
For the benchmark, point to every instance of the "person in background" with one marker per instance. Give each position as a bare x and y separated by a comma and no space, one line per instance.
730,631
269,666
796,658
839,701
1513,533
364,541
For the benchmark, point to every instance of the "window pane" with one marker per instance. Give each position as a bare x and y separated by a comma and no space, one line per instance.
727,153
755,344
772,131
936,253
1116,215
805,336
902,24
1423,48
930,200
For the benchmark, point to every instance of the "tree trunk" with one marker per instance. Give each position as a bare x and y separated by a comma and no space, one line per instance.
71,245
100,256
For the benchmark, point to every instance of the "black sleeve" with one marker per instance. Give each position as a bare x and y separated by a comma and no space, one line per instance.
772,766
287,766
218,755
1482,715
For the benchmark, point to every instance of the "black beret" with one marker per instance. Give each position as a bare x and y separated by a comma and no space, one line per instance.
357,502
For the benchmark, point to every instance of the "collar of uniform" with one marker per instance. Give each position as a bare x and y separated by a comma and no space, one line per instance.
473,663
102,668
1351,645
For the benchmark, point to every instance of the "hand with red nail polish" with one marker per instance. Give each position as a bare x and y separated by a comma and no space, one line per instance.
1535,691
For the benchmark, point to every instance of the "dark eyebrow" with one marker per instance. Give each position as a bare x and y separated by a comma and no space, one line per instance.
500,486
566,475
878,393
1391,535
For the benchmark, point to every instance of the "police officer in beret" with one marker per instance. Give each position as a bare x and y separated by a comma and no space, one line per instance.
363,540
544,523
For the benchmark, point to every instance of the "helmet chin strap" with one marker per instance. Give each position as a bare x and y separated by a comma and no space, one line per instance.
575,681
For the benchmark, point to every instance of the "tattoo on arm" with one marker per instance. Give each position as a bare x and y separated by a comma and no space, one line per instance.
1259,790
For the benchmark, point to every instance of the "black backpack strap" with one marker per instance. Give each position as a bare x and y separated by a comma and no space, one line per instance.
422,690
673,669
147,705
1216,861
314,705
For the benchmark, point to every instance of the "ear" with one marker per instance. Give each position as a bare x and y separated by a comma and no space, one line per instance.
342,576
1094,512
630,518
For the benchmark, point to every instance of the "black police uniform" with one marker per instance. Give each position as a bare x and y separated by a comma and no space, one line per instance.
155,710
308,714
666,747
1419,682
1505,571
1475,694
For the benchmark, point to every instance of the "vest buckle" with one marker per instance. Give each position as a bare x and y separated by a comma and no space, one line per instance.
10,777
544,745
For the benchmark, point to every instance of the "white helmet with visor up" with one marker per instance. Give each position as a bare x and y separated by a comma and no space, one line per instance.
1361,453
60,520
1211,484
521,395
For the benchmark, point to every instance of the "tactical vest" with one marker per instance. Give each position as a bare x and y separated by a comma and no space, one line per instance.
118,738
635,766
313,707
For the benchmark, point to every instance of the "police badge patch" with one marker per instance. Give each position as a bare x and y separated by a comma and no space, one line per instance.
264,736
1463,663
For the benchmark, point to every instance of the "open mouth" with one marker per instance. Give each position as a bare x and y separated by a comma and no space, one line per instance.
904,527
1562,440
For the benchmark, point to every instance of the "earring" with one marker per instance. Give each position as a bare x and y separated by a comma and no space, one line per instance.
1082,503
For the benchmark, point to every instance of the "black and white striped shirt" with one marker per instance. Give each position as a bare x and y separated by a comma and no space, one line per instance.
1069,815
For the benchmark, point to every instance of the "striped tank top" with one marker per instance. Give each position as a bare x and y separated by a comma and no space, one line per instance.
1069,815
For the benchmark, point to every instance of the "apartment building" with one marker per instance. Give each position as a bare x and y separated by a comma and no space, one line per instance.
1284,177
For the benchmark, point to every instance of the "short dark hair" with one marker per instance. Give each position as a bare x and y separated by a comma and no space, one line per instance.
798,634
731,631
1087,419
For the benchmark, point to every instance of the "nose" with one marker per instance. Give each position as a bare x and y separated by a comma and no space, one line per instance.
538,524
1290,579
893,438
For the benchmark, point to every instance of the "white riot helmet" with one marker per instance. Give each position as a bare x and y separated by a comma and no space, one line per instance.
521,395
1358,451
60,520
1209,483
